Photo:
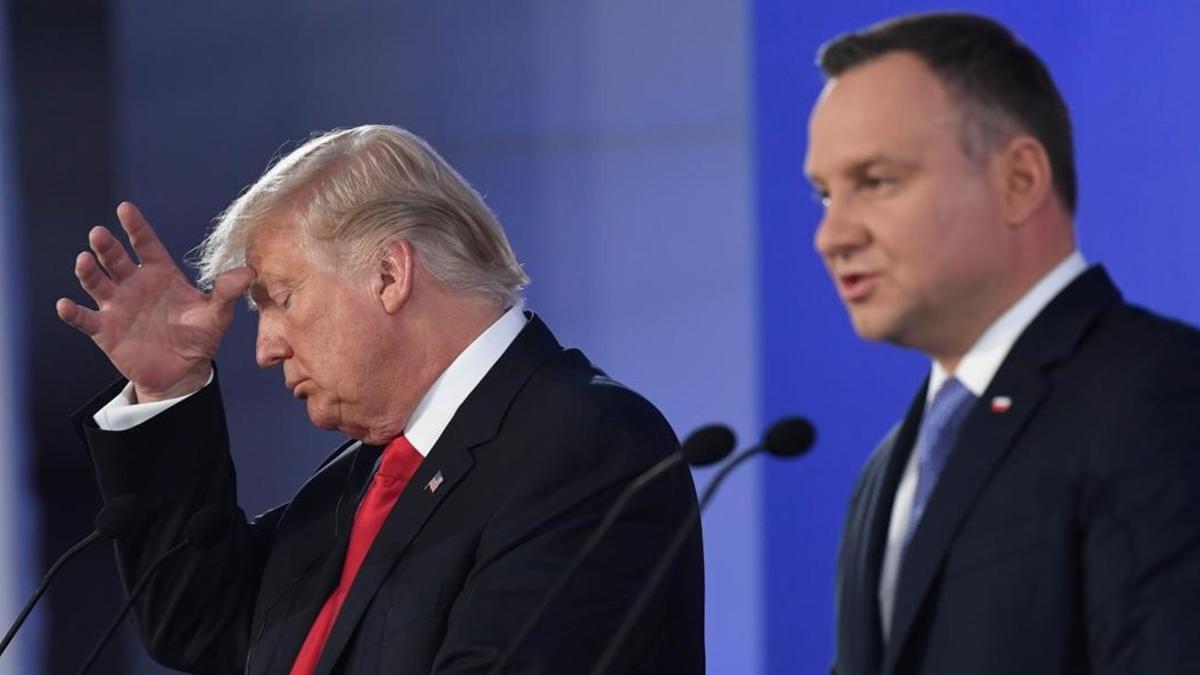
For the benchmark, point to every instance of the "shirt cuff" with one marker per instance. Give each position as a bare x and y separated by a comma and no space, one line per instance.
121,413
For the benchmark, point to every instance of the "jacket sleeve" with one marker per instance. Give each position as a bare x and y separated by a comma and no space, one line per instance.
1140,521
195,612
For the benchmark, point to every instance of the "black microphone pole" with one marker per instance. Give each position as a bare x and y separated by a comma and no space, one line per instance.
704,446
788,437
115,520
205,528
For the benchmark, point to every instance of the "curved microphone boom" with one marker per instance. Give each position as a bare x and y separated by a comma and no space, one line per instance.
786,438
203,530
707,445
118,518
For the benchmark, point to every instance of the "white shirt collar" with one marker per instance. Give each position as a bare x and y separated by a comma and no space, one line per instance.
979,365
452,387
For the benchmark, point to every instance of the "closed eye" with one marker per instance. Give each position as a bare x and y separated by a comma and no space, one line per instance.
877,183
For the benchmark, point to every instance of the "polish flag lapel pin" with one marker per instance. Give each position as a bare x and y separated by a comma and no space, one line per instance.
1001,404
435,482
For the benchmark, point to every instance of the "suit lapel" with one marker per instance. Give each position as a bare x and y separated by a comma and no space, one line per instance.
411,511
477,421
985,439
319,511
861,642
310,550
988,436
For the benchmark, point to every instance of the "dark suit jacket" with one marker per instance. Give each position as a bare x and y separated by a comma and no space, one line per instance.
530,463
1063,535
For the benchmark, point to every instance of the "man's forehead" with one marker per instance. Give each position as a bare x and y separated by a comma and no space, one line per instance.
891,84
270,245
867,116
274,229
852,156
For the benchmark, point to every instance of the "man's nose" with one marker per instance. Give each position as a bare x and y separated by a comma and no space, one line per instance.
270,348
840,231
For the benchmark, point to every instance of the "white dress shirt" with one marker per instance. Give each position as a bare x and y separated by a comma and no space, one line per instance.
429,419
975,371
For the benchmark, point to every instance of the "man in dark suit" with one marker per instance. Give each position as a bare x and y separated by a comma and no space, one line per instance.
1037,511
481,453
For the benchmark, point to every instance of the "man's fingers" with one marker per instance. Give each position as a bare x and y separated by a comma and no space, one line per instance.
232,285
92,278
111,254
82,318
145,242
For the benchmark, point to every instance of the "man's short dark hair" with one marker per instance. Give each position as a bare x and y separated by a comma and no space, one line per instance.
987,67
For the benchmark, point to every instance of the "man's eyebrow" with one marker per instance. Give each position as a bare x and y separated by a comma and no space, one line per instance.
257,287
862,167
870,161
859,165
263,281
260,288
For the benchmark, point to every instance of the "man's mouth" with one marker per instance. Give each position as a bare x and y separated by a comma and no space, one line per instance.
857,286
296,388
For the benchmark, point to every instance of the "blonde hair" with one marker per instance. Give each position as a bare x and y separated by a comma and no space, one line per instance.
360,189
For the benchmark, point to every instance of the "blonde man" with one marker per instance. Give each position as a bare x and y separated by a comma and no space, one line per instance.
480,453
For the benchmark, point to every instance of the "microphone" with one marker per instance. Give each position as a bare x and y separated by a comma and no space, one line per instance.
789,437
786,438
707,445
203,530
118,518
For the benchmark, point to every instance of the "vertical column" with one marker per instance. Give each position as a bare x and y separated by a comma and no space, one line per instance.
18,506
61,126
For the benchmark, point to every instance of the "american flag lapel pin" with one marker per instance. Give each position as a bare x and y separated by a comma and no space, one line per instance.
1001,404
435,482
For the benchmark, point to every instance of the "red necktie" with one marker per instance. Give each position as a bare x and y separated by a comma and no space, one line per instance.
400,462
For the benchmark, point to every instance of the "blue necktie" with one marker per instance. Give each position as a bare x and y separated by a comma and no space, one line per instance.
939,431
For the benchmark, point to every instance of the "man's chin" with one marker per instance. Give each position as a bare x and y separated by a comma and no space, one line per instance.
320,417
323,424
873,327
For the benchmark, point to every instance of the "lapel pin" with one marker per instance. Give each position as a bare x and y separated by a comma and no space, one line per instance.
1001,404
435,482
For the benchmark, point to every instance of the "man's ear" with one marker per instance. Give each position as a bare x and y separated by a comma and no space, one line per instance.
393,283
1024,178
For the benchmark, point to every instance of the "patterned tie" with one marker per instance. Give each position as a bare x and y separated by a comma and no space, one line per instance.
939,431
400,461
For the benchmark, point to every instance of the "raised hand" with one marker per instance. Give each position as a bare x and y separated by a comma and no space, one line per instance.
155,326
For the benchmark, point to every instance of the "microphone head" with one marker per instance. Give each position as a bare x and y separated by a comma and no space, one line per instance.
789,437
708,445
206,527
119,516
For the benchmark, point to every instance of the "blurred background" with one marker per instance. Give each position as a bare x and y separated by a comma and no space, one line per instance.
646,159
